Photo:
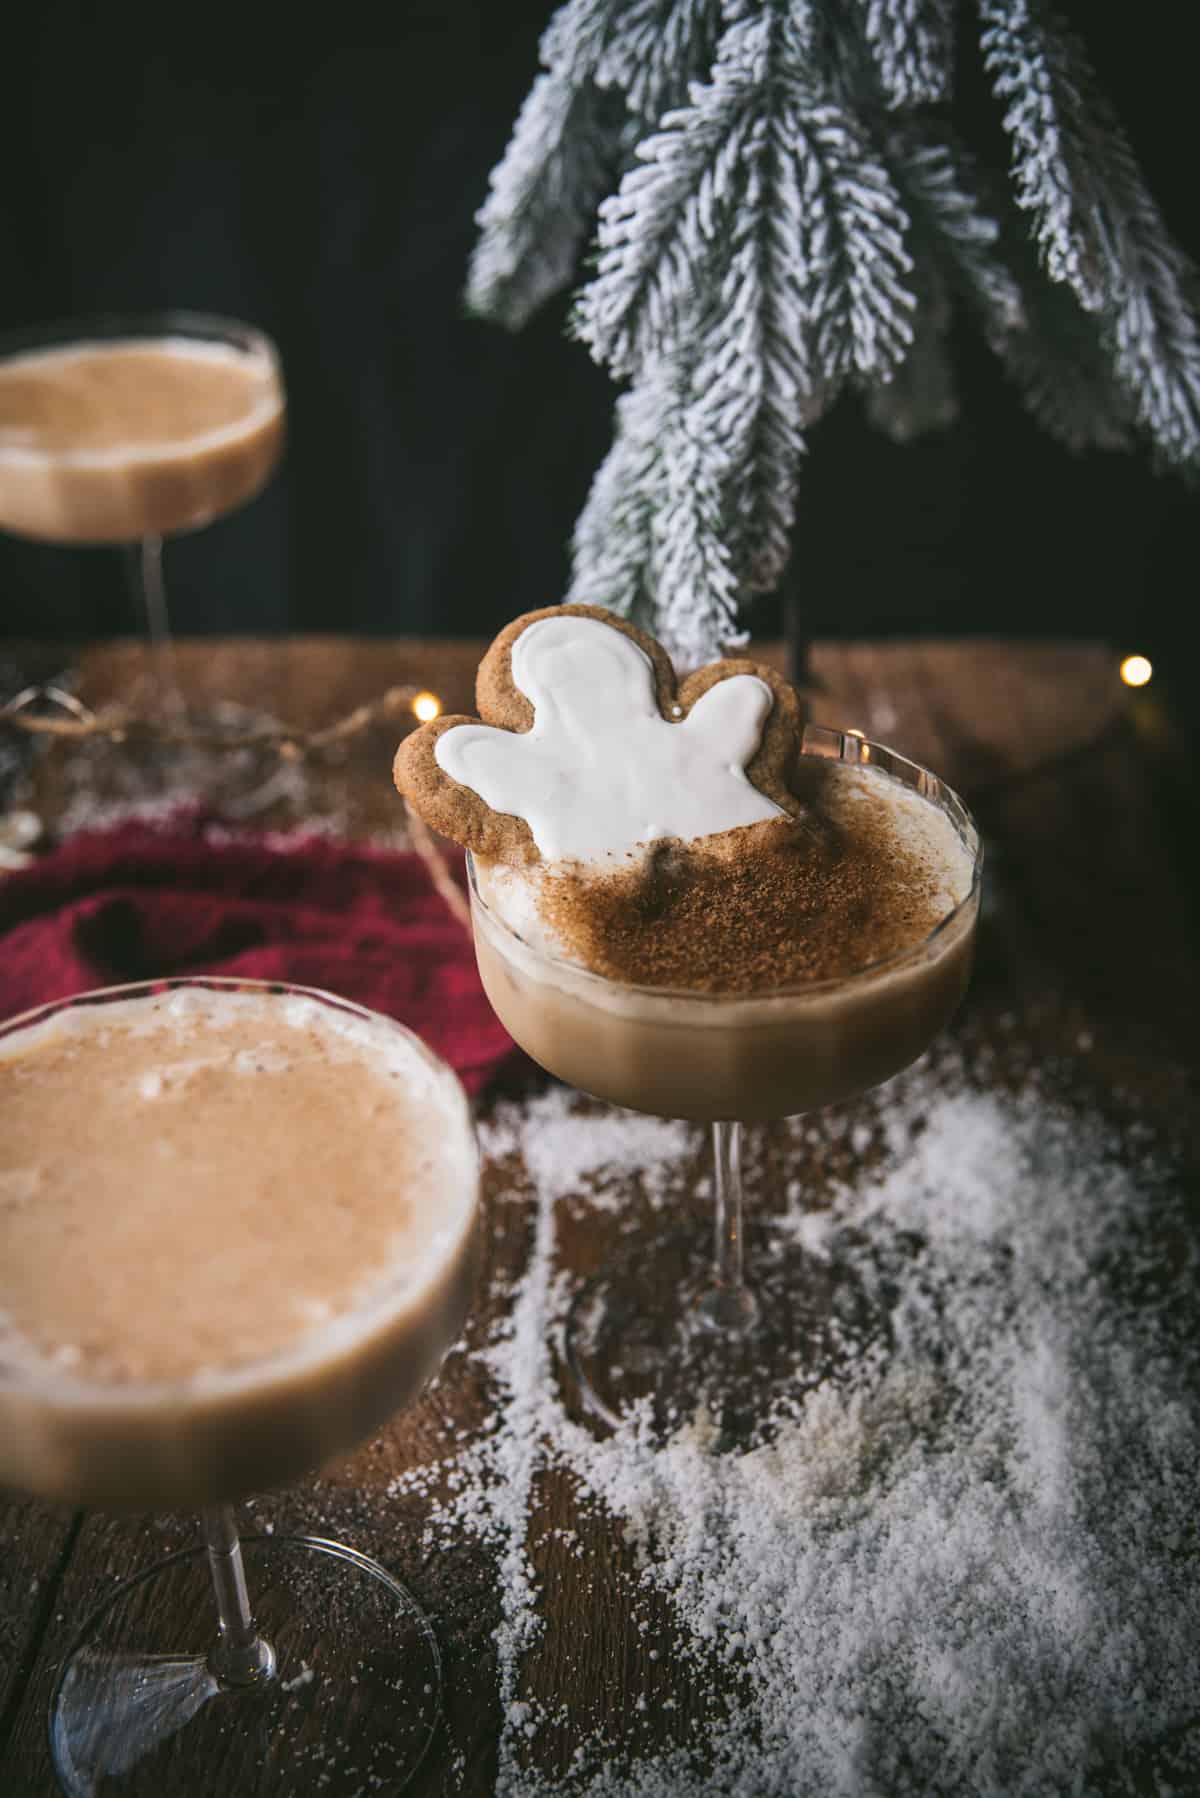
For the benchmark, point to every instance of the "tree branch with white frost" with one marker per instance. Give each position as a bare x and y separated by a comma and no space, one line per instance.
779,208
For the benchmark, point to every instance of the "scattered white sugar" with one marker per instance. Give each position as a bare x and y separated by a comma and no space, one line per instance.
972,1572
564,1161
861,1138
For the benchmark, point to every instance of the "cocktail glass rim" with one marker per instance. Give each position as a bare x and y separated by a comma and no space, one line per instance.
148,325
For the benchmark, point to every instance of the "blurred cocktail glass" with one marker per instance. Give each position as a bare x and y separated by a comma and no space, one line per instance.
128,430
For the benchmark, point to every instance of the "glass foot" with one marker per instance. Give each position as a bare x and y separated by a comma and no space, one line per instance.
149,774
238,778
347,1694
649,1337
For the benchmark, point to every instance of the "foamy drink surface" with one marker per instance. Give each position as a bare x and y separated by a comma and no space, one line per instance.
111,440
195,1181
121,397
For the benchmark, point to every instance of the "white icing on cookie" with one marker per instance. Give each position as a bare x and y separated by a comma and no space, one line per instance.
601,770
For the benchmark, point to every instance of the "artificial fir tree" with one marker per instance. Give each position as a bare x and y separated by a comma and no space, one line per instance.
771,203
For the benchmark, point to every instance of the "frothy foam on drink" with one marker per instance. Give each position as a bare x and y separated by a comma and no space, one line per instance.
109,402
194,1181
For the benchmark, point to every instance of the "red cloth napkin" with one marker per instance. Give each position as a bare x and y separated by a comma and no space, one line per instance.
188,897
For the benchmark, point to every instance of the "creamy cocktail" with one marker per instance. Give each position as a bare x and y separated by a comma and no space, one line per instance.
687,901
791,1005
111,440
237,1231
127,431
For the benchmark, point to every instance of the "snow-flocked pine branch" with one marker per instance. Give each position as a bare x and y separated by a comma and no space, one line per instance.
544,193
779,205
1096,224
911,47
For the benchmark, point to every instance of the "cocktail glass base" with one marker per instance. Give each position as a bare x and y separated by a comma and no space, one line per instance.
641,1342
347,1696
222,764
149,774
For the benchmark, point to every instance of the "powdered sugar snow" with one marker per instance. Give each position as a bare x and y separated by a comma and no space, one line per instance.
971,1571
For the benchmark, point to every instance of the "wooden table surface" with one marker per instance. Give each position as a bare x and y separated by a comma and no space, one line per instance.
1090,821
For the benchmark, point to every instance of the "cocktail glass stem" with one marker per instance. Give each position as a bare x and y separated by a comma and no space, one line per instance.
728,1306
240,1657
153,590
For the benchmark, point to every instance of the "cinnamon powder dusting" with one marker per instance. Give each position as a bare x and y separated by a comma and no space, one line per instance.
766,906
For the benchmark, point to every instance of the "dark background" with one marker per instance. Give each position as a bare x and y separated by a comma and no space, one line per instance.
319,179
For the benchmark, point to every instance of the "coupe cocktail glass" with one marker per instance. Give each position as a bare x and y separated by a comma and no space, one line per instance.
71,474
653,1327
314,1658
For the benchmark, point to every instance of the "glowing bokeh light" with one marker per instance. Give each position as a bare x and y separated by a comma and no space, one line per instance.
426,706
1136,671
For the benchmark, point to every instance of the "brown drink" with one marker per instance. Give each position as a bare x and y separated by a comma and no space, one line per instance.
236,1233
125,438
749,998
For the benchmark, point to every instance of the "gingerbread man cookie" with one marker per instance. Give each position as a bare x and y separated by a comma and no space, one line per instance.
585,750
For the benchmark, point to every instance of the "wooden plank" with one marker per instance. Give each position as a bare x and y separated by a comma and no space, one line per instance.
37,1541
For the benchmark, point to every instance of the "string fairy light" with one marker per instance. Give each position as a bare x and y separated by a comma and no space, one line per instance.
1136,670
69,718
